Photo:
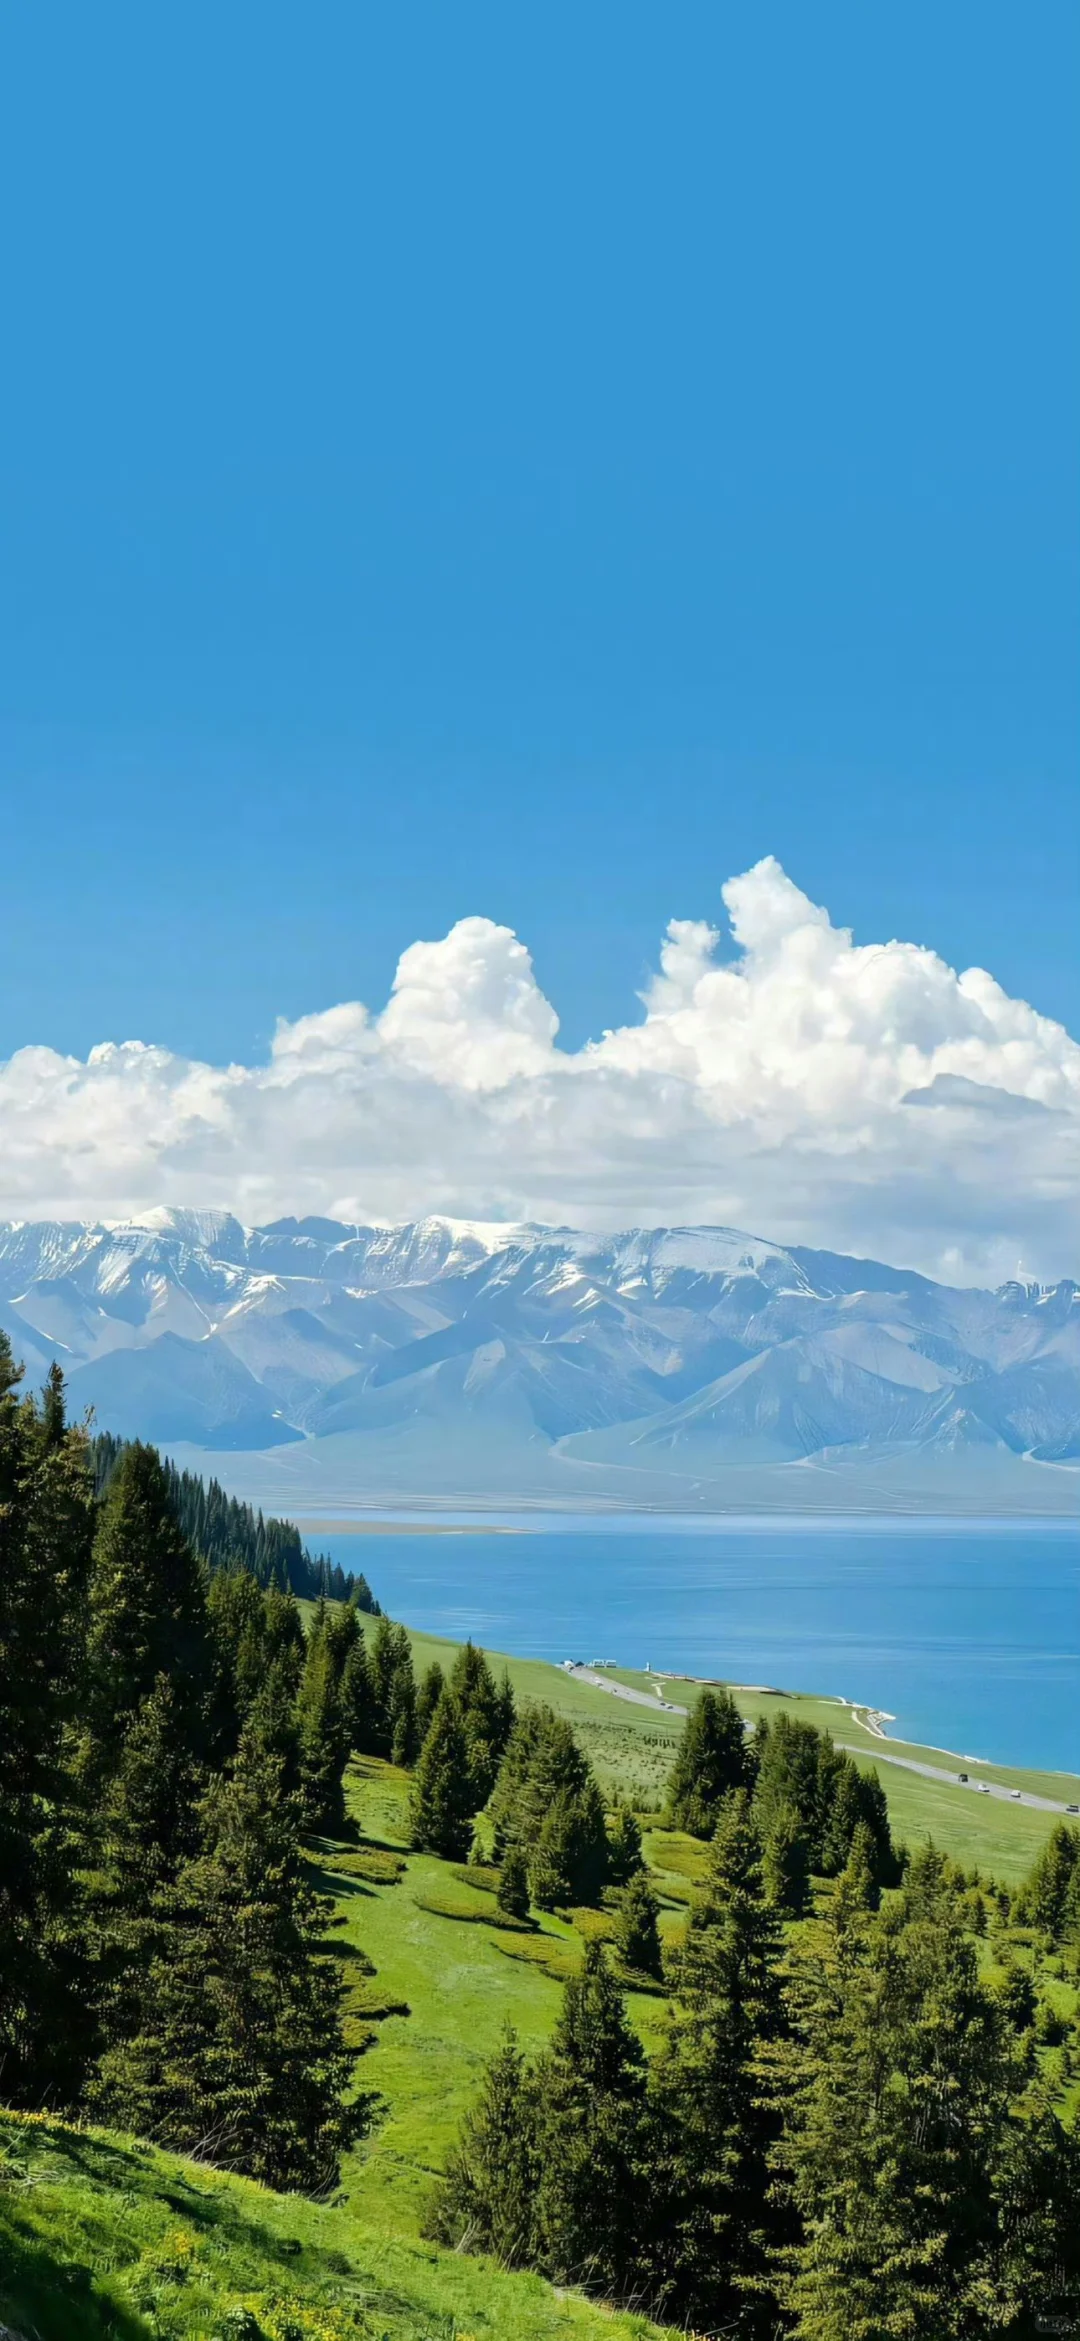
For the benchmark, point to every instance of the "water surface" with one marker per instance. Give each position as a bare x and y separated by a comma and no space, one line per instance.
969,1634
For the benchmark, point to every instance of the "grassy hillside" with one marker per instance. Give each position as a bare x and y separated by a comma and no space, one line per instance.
450,1974
632,1749
102,2239
441,1952
100,2236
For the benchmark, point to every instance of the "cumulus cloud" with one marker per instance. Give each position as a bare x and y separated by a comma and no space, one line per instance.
867,1098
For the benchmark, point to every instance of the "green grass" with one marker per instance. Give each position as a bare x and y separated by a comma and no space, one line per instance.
462,1984
103,2239
632,1749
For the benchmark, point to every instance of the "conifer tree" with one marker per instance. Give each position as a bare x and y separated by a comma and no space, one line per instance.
512,1894
486,2201
343,1635
236,2049
46,1525
382,1664
592,2185
401,1720
786,1863
1043,1900
150,1813
357,1704
717,2239
323,1747
236,1614
857,1888
149,1824
906,2141
482,1714
427,1699
637,1936
148,1612
393,1693
441,1803
272,1721
547,1801
569,1861
284,1628
53,1408
624,1845
507,1709
710,1760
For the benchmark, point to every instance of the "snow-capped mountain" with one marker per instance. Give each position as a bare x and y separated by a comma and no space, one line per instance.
454,1358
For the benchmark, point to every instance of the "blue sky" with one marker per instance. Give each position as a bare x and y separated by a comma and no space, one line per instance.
531,464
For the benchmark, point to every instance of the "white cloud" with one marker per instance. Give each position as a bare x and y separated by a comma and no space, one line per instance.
785,1091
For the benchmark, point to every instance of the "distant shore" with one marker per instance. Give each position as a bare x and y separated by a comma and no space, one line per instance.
322,1527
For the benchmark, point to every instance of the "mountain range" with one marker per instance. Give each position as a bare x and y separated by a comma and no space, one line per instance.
452,1361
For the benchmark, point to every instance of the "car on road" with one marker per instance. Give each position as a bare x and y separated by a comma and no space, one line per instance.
1072,1808
983,1787
1015,1795
962,1776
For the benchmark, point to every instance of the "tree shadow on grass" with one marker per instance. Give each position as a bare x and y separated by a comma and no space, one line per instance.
336,1885
58,2300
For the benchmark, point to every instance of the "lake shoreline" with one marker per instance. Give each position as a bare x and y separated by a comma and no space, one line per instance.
958,1637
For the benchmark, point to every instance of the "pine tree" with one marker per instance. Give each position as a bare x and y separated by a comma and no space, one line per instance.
393,1693
637,1936
382,1663
148,1612
401,1720
710,1760
46,1524
902,2135
856,1890
150,1817
481,1711
591,2091
486,2201
236,2048
507,1709
427,1699
716,2242
53,1408
441,1803
547,1801
512,1894
786,1863
236,1613
624,1845
149,1824
357,1703
323,1745
569,1861
1043,1900
272,1721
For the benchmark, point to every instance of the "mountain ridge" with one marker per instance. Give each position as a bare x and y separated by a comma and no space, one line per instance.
481,1358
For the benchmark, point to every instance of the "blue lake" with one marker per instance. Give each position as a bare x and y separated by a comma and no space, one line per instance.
969,1634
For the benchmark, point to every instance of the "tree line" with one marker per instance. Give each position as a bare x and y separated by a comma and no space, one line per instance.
847,2133
167,1738
231,1535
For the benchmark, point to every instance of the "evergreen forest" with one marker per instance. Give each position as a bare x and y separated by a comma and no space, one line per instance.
796,2078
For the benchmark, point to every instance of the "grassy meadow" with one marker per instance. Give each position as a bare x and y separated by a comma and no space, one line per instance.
101,2236
632,1750
106,2239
